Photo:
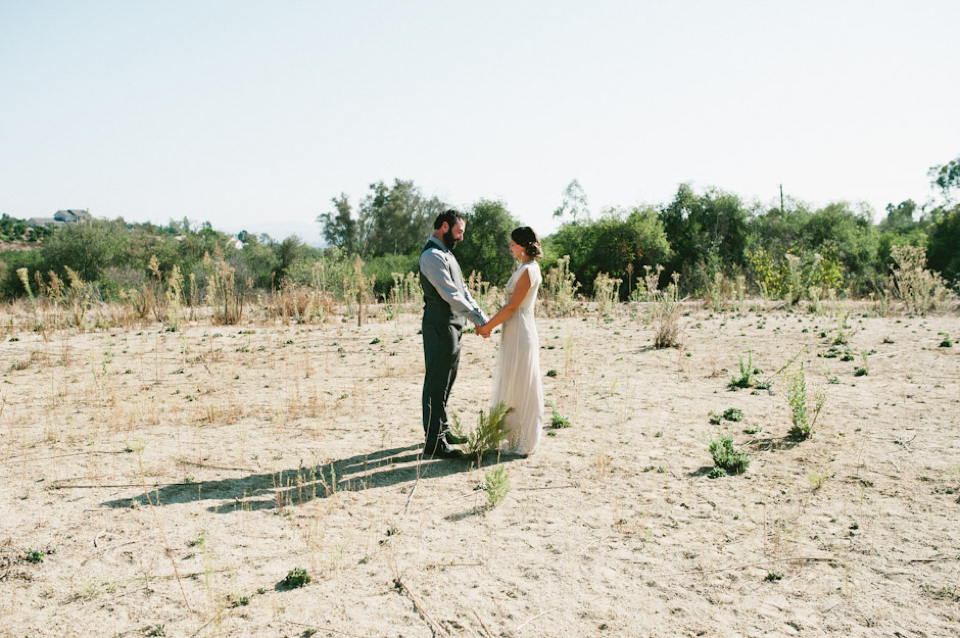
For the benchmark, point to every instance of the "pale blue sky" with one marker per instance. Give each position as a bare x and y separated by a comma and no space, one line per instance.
253,115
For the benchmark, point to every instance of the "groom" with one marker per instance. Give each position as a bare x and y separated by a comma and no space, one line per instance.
447,306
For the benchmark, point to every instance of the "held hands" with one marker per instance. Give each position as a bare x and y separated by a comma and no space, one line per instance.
483,331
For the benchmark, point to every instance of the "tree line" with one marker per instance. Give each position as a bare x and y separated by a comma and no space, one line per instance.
696,237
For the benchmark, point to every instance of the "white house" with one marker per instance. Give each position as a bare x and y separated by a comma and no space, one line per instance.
62,218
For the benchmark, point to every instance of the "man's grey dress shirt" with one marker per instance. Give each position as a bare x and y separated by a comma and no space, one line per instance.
441,269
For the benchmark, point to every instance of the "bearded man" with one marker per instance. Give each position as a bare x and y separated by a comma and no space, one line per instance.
447,305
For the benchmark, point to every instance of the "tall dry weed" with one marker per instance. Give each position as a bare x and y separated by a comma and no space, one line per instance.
666,316
606,292
226,302
910,281
560,289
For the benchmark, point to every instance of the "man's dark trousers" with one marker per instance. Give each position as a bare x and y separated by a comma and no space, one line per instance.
441,352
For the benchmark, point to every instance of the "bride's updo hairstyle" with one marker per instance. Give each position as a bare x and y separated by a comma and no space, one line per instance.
524,236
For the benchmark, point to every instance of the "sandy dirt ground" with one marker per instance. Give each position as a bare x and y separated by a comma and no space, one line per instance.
166,483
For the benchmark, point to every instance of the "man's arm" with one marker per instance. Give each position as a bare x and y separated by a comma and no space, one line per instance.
474,304
435,269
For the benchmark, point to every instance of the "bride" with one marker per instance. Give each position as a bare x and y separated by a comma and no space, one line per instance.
517,381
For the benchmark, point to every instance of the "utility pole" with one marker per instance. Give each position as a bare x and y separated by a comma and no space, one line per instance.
781,199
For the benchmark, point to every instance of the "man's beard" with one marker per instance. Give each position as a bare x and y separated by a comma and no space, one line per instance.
448,240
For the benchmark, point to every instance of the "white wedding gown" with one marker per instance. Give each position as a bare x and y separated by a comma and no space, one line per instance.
517,380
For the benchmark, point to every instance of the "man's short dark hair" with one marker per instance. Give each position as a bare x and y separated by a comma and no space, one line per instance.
450,217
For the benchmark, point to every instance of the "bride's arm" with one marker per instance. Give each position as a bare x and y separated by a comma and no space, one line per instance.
519,294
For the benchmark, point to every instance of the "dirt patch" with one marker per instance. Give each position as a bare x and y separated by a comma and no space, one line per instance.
266,448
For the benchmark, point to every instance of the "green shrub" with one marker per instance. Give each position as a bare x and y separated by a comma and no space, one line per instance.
496,483
802,417
747,378
726,458
558,420
491,430
733,414
296,577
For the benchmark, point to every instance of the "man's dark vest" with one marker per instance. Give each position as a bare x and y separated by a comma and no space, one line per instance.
435,308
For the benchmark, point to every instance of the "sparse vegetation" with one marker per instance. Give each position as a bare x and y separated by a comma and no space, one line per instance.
666,316
557,419
918,288
818,479
733,414
726,459
496,483
296,577
748,374
490,432
803,417
240,398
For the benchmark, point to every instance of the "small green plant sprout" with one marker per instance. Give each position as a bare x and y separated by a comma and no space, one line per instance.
157,630
496,483
35,556
296,577
864,370
716,472
753,429
491,430
747,378
817,479
199,540
715,418
726,458
946,343
773,577
804,419
551,373
558,420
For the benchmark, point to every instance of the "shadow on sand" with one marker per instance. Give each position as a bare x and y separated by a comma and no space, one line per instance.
283,488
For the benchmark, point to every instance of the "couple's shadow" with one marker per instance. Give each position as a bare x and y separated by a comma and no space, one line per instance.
285,488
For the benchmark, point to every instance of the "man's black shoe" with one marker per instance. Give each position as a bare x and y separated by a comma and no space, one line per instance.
455,439
447,453
442,450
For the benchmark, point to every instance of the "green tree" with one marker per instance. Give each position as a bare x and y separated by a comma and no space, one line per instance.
899,228
340,229
87,248
288,251
574,203
942,252
778,231
486,244
258,261
708,230
610,244
396,220
899,218
946,177
850,235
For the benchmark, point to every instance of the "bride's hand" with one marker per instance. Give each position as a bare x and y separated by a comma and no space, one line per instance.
483,331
